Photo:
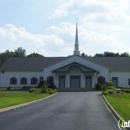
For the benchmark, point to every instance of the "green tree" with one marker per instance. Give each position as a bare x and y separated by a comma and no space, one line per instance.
35,55
5,55
125,54
84,55
20,52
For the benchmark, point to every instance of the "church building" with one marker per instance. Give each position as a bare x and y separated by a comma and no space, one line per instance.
66,72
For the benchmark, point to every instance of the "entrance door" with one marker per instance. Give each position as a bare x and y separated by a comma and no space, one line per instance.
61,81
115,81
75,81
88,82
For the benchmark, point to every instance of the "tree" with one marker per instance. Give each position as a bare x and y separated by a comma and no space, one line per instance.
20,52
84,55
125,54
98,55
5,55
35,55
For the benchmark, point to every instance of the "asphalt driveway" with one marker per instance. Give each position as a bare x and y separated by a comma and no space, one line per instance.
65,111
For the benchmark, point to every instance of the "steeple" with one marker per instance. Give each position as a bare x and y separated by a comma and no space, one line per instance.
76,46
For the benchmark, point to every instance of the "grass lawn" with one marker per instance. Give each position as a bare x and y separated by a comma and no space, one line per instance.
11,99
121,103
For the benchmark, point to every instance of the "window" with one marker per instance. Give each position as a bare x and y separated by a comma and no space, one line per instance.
50,80
13,80
101,79
34,81
41,78
23,80
128,81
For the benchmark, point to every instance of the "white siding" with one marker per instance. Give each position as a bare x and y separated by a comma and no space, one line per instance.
5,78
103,71
122,78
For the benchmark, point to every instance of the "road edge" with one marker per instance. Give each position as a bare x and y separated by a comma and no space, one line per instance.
25,104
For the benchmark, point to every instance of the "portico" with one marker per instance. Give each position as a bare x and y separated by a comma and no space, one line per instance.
75,75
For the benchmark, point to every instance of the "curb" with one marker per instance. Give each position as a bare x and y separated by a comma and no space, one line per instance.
24,104
117,116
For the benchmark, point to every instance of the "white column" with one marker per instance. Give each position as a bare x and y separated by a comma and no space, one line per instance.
95,78
82,81
54,77
67,80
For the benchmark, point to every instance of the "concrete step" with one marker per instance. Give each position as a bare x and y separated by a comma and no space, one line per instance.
75,89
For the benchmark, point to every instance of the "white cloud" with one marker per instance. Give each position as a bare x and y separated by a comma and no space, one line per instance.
108,10
13,37
93,38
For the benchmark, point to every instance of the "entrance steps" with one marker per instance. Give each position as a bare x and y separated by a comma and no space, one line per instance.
75,89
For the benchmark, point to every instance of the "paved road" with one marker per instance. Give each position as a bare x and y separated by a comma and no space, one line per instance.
66,111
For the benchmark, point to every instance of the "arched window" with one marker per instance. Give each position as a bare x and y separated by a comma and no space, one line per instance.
23,80
13,80
34,81
101,79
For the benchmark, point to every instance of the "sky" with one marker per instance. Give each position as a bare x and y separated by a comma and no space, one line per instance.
48,27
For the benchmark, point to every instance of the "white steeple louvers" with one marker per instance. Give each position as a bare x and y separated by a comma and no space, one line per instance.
76,50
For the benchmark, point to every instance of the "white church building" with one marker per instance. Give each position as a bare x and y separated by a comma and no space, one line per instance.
68,72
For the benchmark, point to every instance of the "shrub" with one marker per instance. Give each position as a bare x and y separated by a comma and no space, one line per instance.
25,88
111,91
127,91
51,91
98,86
111,84
9,88
103,88
105,93
34,90
44,88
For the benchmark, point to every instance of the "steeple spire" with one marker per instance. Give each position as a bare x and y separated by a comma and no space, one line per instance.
76,50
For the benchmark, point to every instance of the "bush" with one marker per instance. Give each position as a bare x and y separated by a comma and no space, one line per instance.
105,93
127,91
25,87
51,91
44,88
111,91
103,88
98,86
111,84
9,88
34,90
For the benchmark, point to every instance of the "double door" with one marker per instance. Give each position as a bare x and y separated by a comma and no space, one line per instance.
88,82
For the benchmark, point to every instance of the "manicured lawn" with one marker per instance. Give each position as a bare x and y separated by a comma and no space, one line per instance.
11,99
121,103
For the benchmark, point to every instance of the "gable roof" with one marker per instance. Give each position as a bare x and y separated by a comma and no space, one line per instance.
82,68
38,63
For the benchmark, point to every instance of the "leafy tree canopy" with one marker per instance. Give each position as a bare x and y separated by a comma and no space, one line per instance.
19,52
35,55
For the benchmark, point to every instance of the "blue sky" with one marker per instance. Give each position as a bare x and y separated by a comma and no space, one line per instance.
48,27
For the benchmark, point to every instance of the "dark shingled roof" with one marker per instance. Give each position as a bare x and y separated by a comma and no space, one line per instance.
36,64
29,64
115,63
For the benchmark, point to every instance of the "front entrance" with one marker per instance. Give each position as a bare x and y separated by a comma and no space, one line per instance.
74,81
88,82
115,81
62,81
